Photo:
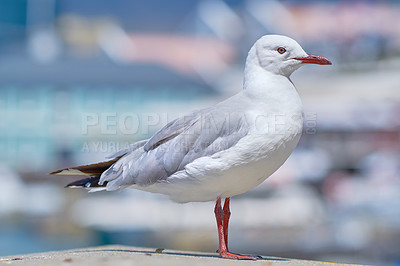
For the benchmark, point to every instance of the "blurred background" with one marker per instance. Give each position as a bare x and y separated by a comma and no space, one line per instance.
80,80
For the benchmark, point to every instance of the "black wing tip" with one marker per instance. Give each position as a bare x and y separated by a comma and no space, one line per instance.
90,182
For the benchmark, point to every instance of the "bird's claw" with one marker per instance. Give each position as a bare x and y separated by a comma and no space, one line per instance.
229,255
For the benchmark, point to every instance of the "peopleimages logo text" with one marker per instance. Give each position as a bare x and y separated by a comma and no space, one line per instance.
144,124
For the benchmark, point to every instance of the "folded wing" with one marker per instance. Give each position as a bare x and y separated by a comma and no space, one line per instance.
202,133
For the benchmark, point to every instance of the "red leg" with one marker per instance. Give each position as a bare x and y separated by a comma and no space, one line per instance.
219,214
225,219
222,226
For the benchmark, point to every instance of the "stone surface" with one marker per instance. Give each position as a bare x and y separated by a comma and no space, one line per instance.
125,255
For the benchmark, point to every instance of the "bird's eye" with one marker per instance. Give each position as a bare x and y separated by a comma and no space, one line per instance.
281,50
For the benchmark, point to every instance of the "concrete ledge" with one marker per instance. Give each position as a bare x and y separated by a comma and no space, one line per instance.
125,255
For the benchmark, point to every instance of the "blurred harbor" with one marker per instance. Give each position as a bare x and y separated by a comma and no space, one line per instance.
81,80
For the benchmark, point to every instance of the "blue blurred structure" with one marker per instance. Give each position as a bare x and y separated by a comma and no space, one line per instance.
50,48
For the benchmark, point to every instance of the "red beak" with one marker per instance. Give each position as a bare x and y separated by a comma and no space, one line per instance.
314,59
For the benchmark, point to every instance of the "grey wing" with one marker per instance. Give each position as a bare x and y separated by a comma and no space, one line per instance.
130,148
180,142
173,129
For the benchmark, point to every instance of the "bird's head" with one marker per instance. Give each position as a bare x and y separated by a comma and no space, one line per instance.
282,55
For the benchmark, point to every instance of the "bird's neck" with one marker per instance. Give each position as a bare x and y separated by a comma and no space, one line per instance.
271,92
261,83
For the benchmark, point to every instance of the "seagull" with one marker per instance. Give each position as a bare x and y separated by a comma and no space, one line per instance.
221,151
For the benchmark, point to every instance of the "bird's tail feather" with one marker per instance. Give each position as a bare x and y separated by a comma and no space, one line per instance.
92,170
